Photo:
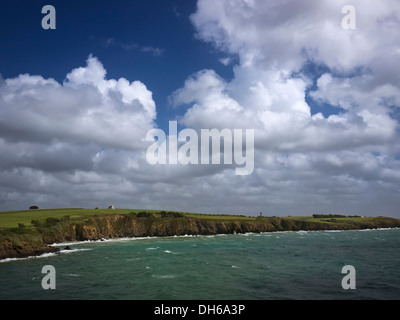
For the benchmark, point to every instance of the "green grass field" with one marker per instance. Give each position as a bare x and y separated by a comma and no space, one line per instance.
225,217
11,219
328,220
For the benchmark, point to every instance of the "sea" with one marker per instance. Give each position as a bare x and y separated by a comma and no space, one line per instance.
303,265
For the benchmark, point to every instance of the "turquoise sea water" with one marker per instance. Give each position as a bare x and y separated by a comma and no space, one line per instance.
283,265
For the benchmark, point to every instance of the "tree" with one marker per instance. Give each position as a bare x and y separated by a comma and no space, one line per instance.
33,207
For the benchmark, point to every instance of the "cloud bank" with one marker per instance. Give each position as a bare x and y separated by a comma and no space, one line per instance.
325,141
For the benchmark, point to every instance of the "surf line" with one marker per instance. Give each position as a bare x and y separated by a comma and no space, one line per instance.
188,152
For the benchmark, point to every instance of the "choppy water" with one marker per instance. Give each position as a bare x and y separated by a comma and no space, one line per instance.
284,265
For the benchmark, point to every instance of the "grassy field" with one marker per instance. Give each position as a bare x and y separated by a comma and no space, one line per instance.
225,217
332,220
11,219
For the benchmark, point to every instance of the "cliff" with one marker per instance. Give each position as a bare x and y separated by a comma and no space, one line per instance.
23,242
17,243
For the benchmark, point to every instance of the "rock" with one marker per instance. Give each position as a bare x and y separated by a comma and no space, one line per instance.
67,248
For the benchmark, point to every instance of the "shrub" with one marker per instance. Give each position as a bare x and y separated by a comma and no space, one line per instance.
36,223
171,214
143,214
52,220
328,216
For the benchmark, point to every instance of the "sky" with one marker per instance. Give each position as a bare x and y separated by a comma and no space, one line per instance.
318,84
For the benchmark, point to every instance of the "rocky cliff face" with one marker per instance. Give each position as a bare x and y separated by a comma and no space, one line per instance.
114,226
124,226
23,246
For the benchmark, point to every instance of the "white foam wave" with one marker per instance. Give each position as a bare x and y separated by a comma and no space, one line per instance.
378,229
302,232
44,255
165,276
73,250
169,251
60,244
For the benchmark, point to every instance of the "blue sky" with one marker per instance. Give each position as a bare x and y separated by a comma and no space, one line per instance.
76,104
153,41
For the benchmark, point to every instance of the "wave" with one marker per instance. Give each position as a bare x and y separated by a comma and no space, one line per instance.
61,244
165,276
44,255
169,251
302,231
378,229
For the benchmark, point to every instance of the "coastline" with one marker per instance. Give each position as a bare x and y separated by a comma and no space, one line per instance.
41,239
